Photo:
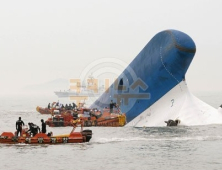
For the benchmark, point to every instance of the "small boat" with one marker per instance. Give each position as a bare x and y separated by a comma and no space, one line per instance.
42,138
43,110
48,110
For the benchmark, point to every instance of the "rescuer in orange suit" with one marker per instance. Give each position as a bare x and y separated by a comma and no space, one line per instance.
76,122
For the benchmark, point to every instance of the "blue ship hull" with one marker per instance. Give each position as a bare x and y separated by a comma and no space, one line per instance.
159,67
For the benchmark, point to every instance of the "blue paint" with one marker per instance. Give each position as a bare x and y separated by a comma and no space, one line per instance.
161,65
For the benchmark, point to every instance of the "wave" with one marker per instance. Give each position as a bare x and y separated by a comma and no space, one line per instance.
129,139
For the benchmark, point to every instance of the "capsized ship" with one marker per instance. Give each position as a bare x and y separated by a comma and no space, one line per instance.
153,89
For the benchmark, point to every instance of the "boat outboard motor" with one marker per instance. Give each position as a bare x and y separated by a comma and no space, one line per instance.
88,134
172,122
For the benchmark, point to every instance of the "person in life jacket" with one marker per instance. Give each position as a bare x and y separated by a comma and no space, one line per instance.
75,122
18,125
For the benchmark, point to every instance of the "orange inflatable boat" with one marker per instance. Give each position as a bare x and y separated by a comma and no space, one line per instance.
42,138
43,110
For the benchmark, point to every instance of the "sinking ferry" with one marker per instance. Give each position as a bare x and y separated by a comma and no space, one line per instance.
153,89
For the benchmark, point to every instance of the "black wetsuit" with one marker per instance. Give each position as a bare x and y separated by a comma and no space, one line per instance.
43,127
74,105
111,105
33,129
19,124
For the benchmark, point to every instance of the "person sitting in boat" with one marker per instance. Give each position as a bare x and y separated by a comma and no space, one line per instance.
50,134
75,122
43,126
70,107
18,125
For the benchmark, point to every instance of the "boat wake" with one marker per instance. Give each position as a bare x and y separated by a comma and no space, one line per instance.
154,139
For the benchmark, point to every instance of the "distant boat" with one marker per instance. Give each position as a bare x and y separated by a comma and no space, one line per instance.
89,90
70,93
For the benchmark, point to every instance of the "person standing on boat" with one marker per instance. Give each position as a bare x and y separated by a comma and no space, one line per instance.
66,107
43,126
18,125
73,106
111,105
49,106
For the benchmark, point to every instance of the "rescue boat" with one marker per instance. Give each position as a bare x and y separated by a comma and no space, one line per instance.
42,138
91,117
43,110
46,110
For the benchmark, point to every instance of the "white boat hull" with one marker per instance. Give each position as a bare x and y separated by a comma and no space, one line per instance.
178,103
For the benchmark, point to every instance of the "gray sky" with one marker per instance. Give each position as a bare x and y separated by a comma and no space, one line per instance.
44,40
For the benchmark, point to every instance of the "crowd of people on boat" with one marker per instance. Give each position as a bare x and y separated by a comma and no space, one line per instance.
58,105
33,128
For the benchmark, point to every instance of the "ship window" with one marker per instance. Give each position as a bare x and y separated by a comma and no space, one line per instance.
120,86
121,82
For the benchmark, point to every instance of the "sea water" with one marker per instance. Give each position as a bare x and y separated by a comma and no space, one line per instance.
124,148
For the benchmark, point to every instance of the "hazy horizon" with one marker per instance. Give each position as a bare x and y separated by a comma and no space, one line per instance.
46,40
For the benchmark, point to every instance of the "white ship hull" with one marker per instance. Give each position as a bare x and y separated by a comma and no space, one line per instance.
178,103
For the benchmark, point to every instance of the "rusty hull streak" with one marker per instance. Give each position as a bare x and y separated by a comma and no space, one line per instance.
180,47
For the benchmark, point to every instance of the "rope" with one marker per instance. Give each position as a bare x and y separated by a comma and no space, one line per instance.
161,58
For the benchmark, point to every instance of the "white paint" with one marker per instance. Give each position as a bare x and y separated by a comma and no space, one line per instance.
180,104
